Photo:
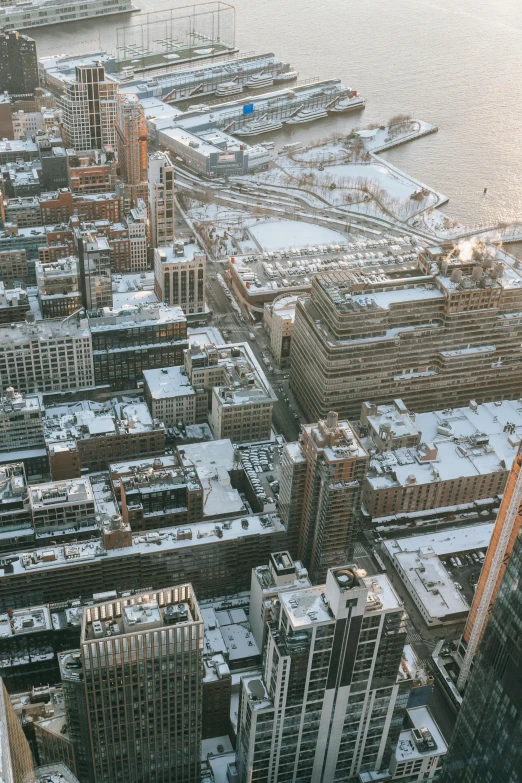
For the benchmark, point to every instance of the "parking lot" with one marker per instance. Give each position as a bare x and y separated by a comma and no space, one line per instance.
466,574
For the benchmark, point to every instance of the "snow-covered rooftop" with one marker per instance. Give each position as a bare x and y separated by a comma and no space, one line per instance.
168,382
471,440
417,559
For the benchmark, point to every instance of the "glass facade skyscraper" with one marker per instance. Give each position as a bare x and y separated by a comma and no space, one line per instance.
487,742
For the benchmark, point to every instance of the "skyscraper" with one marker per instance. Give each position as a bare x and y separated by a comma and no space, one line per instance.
134,689
486,743
18,64
89,109
94,255
323,708
131,134
16,760
161,199
505,532
320,493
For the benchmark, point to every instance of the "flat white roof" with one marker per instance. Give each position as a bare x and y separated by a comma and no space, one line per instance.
168,382
407,749
425,575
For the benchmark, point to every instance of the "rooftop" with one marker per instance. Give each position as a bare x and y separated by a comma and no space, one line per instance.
14,402
22,333
467,441
87,419
213,462
22,621
166,539
423,739
141,612
425,574
168,253
59,493
13,485
168,382
285,270
134,315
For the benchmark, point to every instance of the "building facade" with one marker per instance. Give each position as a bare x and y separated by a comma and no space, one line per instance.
89,106
179,276
136,339
94,255
20,420
157,639
323,708
447,334
46,356
161,199
59,293
18,64
320,492
132,144
486,740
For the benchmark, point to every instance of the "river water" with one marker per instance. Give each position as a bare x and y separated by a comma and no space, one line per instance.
456,63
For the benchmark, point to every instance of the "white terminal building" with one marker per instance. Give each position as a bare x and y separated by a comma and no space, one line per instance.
417,560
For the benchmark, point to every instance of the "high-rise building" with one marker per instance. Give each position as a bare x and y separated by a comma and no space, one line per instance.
505,532
16,761
94,254
132,136
134,689
320,493
486,744
135,338
18,64
323,708
46,356
161,199
89,106
20,420
179,276
433,339
59,293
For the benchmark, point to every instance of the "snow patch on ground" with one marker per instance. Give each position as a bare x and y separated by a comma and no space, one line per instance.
285,234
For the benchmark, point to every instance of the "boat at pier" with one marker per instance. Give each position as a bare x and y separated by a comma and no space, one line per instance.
229,88
348,103
287,76
307,114
39,13
259,80
255,127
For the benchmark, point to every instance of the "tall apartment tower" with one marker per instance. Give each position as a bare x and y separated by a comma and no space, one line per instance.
18,64
89,106
323,708
134,689
94,255
132,141
161,199
486,742
320,493
505,532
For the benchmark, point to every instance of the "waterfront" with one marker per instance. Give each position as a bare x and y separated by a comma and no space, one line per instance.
402,57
